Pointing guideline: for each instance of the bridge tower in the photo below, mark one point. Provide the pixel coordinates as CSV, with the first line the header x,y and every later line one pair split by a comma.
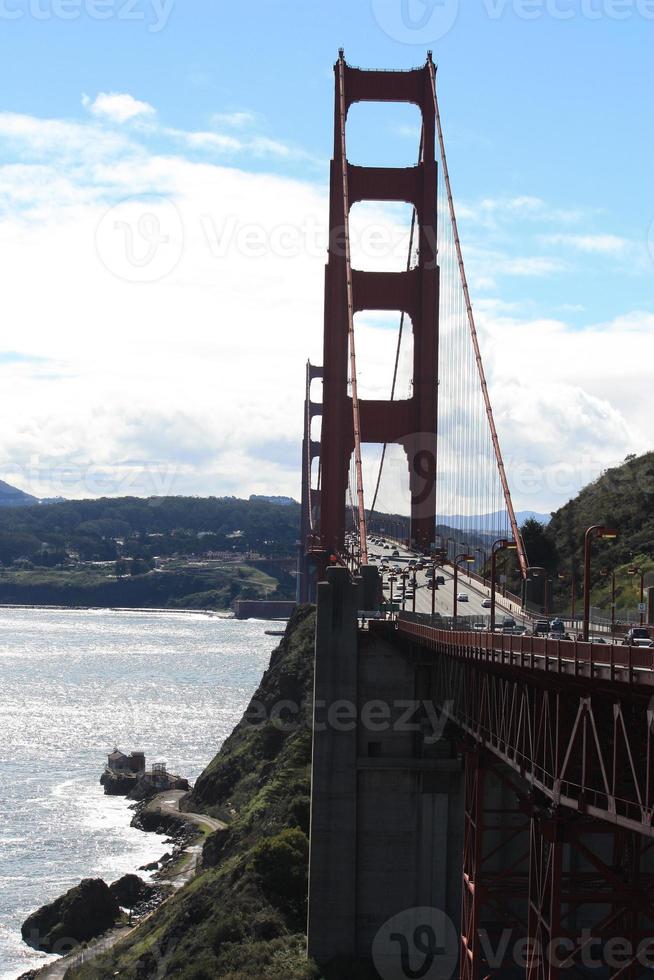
x,y
410,422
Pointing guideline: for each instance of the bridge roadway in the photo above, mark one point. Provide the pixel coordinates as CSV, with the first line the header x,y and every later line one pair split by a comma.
x,y
444,604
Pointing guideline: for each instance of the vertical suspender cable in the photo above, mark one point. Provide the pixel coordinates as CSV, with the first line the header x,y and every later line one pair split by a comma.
x,y
399,341
475,340
356,417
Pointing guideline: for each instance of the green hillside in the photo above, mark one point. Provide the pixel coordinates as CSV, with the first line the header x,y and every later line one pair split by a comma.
x,y
622,499
244,916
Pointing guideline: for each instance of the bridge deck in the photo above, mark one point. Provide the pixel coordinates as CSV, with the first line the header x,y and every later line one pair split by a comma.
x,y
571,658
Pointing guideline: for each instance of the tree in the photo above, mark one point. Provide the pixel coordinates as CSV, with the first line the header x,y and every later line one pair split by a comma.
x,y
541,550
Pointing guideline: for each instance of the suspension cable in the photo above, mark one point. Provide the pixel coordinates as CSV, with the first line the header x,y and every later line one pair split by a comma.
x,y
473,333
356,416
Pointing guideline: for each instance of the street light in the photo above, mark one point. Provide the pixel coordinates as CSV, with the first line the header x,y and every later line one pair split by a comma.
x,y
502,545
573,593
596,531
605,574
484,559
466,558
638,571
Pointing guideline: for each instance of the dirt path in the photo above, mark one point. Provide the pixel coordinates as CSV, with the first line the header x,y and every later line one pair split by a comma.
x,y
178,875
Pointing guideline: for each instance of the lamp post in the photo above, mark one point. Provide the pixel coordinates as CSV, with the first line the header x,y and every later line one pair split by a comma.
x,y
503,544
484,559
466,558
536,571
605,574
573,593
638,571
415,586
595,531
404,577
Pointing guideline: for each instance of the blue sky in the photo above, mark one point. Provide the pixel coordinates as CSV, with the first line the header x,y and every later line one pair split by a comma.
x,y
548,116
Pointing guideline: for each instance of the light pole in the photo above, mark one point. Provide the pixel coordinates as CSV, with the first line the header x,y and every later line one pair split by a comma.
x,y
596,531
484,559
466,558
573,593
503,544
415,586
605,574
404,577
638,571
536,571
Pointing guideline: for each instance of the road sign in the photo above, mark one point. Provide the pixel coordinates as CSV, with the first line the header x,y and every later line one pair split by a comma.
x,y
642,607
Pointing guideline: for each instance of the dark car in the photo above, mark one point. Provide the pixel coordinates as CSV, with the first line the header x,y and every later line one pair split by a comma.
x,y
541,626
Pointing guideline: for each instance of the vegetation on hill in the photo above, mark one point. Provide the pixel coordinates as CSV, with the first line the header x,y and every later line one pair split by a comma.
x,y
179,585
243,917
622,499
102,530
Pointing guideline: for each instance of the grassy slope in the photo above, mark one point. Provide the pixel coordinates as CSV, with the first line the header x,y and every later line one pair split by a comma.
x,y
622,498
244,917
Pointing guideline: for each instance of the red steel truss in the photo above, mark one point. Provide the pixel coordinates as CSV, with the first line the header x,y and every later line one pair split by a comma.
x,y
568,730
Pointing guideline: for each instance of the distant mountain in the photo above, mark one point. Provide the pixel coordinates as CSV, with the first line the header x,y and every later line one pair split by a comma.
x,y
13,497
482,522
280,501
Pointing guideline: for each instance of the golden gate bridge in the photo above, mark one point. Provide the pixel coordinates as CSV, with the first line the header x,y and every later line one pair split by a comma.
x,y
533,815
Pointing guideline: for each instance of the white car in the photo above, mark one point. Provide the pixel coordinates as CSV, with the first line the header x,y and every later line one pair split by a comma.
x,y
462,597
486,603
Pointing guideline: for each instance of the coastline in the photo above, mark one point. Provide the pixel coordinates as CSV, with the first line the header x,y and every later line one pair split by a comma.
x,y
217,613
182,867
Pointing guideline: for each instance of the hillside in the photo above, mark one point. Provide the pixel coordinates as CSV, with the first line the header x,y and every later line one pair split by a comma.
x,y
101,530
243,917
623,499
13,497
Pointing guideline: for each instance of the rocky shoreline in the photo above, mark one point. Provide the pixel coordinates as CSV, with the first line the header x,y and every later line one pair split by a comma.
x,y
95,912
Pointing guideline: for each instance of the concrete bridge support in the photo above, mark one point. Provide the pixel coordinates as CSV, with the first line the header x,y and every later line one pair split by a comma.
x,y
387,796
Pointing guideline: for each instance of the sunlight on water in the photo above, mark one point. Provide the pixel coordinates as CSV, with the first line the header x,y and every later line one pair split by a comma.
x,y
74,684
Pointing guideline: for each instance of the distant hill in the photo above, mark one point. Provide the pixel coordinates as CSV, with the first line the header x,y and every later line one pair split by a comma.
x,y
13,497
280,501
481,522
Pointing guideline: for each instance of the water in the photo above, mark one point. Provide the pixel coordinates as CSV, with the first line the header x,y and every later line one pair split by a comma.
x,y
73,685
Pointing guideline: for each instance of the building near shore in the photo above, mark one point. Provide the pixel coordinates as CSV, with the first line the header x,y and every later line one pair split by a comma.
x,y
126,775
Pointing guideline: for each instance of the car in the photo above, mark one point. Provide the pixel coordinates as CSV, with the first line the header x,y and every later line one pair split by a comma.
x,y
486,603
479,627
557,626
395,553
541,626
638,636
462,597
440,580
509,623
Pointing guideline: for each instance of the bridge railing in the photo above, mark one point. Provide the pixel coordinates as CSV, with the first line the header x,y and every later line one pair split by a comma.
x,y
572,657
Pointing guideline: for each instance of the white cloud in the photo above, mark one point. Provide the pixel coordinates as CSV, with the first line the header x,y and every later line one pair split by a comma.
x,y
194,383
235,120
118,107
590,244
